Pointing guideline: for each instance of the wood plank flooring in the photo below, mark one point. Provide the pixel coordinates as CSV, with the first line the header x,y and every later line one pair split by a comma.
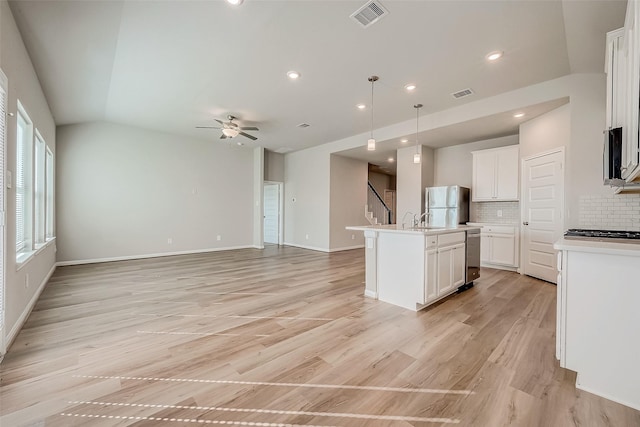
x,y
285,337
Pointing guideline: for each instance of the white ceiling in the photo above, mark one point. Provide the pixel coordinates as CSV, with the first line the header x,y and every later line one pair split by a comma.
x,y
173,65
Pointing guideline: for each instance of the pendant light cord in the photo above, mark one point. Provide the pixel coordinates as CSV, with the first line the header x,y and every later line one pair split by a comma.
x,y
372,81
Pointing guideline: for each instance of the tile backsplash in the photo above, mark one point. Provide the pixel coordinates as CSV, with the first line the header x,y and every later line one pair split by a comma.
x,y
610,212
488,212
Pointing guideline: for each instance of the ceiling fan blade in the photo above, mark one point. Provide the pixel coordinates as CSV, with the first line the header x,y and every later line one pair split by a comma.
x,y
246,135
219,121
223,136
249,128
207,127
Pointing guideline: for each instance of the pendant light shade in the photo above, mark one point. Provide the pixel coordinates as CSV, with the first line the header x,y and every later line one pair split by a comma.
x,y
416,157
371,143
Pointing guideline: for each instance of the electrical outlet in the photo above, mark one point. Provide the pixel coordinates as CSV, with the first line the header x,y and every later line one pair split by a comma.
x,y
306,236
218,237
353,237
499,213
26,281
170,240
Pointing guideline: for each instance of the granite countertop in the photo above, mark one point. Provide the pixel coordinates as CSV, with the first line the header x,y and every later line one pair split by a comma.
x,y
397,228
599,246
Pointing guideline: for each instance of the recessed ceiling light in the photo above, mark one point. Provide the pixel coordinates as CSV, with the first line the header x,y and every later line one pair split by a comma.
x,y
410,87
518,115
293,75
391,159
361,106
494,56
235,2
404,140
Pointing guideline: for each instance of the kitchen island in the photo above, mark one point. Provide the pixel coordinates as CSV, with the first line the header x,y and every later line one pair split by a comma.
x,y
598,321
413,267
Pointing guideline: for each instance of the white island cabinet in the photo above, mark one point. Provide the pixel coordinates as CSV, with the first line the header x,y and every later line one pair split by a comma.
x,y
413,268
598,320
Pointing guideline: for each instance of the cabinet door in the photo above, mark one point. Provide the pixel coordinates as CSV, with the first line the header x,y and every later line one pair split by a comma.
x,y
502,249
507,176
632,63
458,266
484,248
484,179
430,275
445,279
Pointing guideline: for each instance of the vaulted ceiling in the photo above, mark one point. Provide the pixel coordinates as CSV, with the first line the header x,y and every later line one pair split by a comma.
x,y
174,65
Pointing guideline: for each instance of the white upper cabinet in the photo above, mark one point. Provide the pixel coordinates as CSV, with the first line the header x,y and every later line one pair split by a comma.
x,y
496,174
622,65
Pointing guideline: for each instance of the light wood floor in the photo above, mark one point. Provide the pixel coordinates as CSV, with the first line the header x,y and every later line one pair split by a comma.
x,y
285,337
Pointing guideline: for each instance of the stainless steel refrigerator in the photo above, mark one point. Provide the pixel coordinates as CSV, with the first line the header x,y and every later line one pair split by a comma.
x,y
447,206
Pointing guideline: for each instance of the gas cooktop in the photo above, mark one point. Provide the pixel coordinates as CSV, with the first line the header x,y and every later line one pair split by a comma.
x,y
603,235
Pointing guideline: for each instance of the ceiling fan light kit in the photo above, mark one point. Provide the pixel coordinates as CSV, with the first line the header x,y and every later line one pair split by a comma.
x,y
231,129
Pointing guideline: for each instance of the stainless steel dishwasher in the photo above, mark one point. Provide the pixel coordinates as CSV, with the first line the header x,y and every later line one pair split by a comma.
x,y
473,257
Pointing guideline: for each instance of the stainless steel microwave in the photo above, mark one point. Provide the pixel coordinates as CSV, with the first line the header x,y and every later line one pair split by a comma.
x,y
612,158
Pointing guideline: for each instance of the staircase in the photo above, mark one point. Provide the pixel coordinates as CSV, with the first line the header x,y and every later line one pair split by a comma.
x,y
376,211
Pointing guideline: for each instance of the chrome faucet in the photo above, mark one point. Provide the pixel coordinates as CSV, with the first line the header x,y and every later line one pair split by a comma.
x,y
418,221
405,215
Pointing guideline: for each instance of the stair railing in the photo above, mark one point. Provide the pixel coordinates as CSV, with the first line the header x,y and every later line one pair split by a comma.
x,y
377,207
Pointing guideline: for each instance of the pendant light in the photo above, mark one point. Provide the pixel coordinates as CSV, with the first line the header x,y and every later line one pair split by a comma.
x,y
371,143
416,156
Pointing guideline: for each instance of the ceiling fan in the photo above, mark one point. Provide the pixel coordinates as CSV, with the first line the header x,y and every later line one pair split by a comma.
x,y
231,129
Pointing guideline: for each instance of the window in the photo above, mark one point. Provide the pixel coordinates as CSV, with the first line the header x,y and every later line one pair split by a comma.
x,y
39,190
49,195
23,181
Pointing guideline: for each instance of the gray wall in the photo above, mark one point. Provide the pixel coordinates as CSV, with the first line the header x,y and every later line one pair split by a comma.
x,y
273,166
453,165
124,191
348,197
22,286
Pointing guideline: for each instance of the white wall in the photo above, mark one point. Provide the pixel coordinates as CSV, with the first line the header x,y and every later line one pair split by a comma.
x,y
23,85
453,165
348,196
411,181
306,204
124,191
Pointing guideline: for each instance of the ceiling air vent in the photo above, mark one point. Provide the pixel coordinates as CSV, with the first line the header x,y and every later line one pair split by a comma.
x,y
369,14
462,93
303,125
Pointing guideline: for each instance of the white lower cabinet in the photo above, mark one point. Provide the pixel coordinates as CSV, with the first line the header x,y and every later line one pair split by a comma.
x,y
444,265
499,246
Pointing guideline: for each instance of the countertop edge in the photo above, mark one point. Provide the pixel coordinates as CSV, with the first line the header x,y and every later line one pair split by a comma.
x,y
424,232
597,246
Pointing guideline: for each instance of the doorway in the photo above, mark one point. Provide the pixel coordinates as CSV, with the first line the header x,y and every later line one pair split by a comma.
x,y
272,192
542,213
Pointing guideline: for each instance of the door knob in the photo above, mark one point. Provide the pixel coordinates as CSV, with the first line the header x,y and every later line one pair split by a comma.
x,y
525,223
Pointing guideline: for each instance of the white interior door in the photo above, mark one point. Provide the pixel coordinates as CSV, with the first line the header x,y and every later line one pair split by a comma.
x,y
271,213
542,219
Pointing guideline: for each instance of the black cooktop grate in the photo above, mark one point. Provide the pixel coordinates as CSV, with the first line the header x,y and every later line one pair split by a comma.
x,y
602,234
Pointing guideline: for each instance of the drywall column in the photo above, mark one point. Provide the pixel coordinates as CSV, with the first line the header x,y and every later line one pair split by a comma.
x,y
412,178
258,197
371,264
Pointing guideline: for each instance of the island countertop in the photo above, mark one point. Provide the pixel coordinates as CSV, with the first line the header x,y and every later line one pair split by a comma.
x,y
630,248
396,228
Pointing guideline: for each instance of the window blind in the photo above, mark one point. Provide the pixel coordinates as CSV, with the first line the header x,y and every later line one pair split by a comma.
x,y
3,139
39,190
49,196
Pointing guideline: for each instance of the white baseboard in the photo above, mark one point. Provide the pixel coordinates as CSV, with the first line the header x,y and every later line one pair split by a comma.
x,y
346,248
313,248
634,405
157,255
370,294
13,333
